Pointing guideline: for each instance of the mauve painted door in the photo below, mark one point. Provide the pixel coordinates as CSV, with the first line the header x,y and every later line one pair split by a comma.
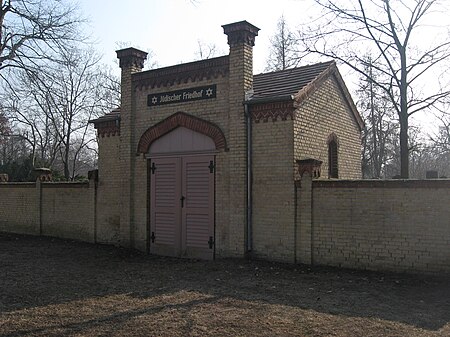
x,y
197,213
165,206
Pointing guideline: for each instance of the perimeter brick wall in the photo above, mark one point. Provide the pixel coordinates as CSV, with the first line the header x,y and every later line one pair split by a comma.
x,y
19,208
401,226
68,211
65,210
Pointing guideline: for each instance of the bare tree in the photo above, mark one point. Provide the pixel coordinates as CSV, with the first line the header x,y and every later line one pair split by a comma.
x,y
52,108
283,48
109,87
4,125
32,29
70,98
441,139
29,125
205,50
380,128
414,73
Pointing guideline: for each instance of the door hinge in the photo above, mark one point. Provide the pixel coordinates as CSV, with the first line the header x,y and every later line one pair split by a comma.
x,y
153,168
210,242
153,237
182,201
211,167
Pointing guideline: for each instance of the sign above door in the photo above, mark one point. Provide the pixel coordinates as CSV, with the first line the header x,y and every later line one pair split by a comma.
x,y
181,96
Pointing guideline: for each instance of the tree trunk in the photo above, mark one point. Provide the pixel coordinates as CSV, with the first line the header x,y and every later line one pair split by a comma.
x,y
66,164
404,148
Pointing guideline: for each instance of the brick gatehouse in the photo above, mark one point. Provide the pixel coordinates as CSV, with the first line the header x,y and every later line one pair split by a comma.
x,y
200,158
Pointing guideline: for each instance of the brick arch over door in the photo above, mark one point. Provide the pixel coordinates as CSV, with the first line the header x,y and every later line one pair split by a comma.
x,y
182,119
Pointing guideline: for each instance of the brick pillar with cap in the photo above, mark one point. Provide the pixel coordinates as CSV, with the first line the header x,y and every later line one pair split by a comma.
x,y
131,61
308,170
241,39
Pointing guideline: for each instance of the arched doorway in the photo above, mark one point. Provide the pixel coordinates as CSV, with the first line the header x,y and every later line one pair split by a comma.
x,y
182,180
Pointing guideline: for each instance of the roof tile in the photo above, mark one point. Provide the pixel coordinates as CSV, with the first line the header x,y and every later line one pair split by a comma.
x,y
282,83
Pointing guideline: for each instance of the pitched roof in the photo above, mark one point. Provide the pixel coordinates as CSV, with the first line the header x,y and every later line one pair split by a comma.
x,y
111,116
281,84
297,83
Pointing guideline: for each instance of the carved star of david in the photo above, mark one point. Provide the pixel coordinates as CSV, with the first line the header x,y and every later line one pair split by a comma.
x,y
154,100
209,92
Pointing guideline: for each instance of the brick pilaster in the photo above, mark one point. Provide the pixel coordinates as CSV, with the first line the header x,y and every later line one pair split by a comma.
x,y
241,38
303,221
130,61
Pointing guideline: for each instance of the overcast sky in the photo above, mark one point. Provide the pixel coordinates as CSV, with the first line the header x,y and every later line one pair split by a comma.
x,y
172,28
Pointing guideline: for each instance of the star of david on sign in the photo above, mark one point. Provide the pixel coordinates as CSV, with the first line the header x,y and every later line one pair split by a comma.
x,y
209,92
154,100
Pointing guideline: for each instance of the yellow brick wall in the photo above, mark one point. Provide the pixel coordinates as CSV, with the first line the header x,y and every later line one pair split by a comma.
x,y
380,226
67,211
273,191
321,114
19,208
64,210
109,190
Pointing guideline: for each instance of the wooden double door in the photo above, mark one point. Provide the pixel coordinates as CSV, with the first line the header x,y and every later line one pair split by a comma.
x,y
182,206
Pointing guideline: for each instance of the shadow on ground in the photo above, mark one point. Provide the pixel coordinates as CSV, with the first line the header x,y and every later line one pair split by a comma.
x,y
38,274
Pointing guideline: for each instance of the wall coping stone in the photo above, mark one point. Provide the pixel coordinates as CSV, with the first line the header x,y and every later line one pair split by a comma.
x,y
67,184
18,184
371,183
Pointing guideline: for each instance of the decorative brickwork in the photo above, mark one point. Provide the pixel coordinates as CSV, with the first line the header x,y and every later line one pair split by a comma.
x,y
131,58
108,128
272,111
183,73
310,166
333,138
108,125
240,33
43,174
182,119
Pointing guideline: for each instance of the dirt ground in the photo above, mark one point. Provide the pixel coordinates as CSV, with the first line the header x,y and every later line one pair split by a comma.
x,y
52,287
